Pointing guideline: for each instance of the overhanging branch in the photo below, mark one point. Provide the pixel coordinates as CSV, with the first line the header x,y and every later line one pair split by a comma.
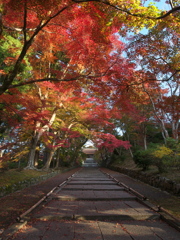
x,y
43,80
164,15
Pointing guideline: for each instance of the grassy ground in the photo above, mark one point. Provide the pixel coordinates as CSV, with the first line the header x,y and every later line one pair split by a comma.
x,y
14,176
173,174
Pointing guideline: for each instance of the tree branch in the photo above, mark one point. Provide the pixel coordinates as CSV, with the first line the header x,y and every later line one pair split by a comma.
x,y
1,24
9,78
44,80
171,3
25,21
106,2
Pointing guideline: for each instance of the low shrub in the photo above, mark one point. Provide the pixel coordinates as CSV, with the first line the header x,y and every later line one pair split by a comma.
x,y
165,158
143,158
161,156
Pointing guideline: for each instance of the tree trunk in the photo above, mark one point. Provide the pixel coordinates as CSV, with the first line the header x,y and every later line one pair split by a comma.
x,y
145,142
49,160
131,152
58,158
32,151
45,155
1,153
144,136
160,119
36,157
175,128
36,138
164,133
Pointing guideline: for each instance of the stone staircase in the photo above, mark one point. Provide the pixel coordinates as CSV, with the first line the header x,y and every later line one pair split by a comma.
x,y
90,163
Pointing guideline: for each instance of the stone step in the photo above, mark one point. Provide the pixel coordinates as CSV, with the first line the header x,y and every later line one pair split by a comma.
x,y
101,230
92,182
93,187
92,195
89,210
89,165
91,179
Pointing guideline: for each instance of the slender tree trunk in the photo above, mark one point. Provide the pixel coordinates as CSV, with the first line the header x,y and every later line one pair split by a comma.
x,y
175,128
32,151
1,153
160,120
145,142
164,133
58,158
131,153
36,157
45,155
144,136
49,160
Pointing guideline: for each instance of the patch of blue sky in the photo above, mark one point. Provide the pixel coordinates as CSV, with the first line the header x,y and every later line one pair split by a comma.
x,y
162,5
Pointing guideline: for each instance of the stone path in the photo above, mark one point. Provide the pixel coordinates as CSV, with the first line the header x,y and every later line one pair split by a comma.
x,y
92,206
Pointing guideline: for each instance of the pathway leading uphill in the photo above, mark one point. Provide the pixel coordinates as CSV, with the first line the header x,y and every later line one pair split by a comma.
x,y
90,206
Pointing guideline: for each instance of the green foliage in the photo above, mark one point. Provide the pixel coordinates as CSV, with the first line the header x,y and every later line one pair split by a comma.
x,y
154,134
161,156
80,159
143,158
10,48
6,165
13,177
117,157
174,157
65,163
172,144
162,152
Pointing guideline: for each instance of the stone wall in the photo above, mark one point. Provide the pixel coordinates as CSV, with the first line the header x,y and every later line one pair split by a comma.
x,y
156,181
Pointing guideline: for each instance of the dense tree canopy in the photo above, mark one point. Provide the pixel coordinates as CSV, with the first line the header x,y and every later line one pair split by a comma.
x,y
72,70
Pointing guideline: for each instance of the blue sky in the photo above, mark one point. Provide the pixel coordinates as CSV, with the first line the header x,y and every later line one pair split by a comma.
x,y
161,4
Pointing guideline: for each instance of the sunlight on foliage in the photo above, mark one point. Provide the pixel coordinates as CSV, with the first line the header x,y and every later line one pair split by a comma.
x,y
162,151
